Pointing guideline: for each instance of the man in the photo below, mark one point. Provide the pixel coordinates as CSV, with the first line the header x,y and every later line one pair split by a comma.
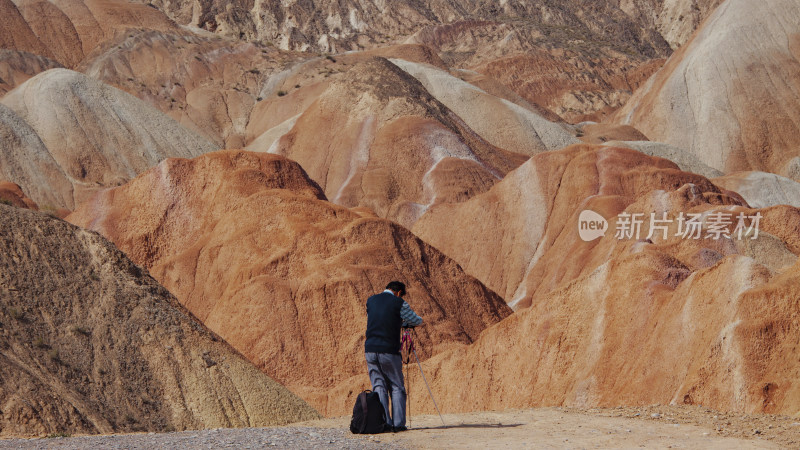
x,y
387,313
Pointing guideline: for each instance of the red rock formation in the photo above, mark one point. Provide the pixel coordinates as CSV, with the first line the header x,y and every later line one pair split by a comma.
x,y
248,244
67,30
11,194
377,138
513,228
624,321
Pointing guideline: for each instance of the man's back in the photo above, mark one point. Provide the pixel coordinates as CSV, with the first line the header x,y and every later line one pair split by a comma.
x,y
383,323
386,314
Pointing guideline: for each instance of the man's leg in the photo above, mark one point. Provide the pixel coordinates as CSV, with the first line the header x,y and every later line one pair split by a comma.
x,y
378,380
392,367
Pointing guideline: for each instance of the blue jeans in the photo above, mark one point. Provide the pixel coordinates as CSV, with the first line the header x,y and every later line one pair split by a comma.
x,y
386,375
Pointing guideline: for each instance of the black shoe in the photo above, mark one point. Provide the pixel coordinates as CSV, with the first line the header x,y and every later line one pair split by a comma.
x,y
399,429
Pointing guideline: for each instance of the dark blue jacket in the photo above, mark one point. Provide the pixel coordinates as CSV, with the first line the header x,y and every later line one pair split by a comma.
x,y
383,324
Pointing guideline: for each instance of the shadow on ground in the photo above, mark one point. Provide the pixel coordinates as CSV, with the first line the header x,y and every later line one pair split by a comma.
x,y
468,425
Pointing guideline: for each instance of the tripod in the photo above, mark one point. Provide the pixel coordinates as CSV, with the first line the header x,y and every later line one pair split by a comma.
x,y
409,348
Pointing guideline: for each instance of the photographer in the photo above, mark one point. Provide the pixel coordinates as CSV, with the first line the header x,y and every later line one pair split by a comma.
x,y
387,313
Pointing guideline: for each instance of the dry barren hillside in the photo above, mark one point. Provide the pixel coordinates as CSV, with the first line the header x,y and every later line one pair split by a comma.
x,y
66,135
248,243
90,343
66,30
379,139
730,95
456,145
627,318
580,58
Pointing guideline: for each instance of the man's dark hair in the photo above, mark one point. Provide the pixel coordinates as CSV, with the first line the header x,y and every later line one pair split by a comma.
x,y
398,287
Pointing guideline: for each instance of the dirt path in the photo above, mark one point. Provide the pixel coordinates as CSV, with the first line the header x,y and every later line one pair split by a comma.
x,y
623,427
650,427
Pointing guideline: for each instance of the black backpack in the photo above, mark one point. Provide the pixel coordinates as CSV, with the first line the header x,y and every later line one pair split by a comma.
x,y
368,414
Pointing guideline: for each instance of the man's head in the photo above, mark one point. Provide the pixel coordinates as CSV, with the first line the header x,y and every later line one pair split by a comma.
x,y
397,287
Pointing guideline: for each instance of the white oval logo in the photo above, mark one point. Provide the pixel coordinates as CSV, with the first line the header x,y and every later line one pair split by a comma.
x,y
591,225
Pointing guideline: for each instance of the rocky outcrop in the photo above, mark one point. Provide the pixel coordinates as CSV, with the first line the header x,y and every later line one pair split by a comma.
x,y
675,20
248,244
90,343
730,96
565,69
350,25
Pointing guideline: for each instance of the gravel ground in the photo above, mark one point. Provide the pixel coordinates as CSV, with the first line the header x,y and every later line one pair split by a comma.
x,y
656,426
239,438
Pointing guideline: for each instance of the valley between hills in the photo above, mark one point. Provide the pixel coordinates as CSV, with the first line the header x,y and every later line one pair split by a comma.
x,y
198,197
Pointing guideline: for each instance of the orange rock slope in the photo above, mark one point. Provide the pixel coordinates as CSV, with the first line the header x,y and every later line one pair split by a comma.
x,y
68,30
621,320
379,139
248,244
11,194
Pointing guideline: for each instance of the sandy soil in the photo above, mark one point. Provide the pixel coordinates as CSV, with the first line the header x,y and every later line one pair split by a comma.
x,y
623,427
650,427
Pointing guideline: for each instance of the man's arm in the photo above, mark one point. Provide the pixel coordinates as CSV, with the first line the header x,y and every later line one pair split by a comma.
x,y
410,318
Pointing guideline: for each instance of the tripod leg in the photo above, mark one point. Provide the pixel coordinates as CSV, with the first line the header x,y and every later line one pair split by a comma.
x,y
429,388
408,393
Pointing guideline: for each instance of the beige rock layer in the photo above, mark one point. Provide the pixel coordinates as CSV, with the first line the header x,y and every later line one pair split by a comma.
x,y
730,95
686,161
72,135
90,343
26,161
761,189
499,121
